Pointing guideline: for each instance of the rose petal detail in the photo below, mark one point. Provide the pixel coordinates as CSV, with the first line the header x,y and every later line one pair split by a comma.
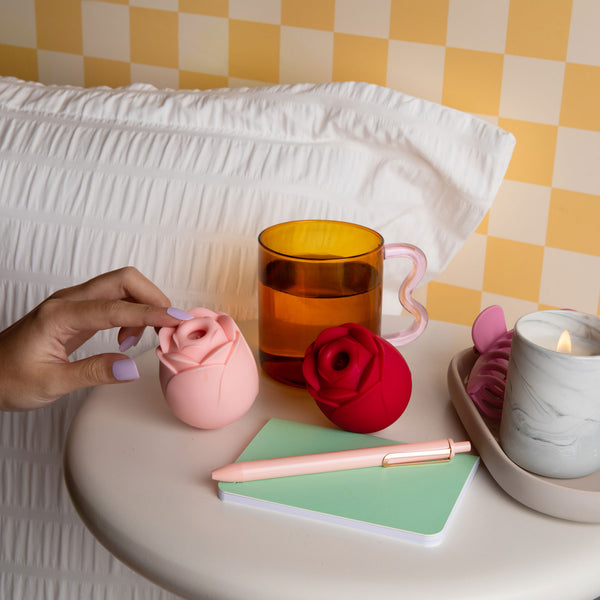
x,y
331,357
321,402
363,415
330,334
327,360
197,337
195,395
371,375
220,355
364,337
337,395
336,362
190,330
309,369
165,338
162,357
228,325
178,362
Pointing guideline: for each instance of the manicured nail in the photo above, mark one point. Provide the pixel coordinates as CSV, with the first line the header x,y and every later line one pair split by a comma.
x,y
179,314
129,342
125,370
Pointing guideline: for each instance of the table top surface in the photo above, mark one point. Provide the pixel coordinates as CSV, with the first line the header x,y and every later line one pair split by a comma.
x,y
141,482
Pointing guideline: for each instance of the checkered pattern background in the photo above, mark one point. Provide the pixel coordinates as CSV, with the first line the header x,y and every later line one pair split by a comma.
x,y
532,67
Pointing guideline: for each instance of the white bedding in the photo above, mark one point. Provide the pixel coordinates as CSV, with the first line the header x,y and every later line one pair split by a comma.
x,y
179,184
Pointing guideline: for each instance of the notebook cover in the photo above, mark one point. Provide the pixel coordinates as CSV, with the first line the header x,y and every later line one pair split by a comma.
x,y
411,502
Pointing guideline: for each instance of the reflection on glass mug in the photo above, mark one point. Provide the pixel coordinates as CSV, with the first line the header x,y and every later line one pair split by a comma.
x,y
317,274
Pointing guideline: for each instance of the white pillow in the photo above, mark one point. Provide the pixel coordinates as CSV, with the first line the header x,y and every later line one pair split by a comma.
x,y
180,183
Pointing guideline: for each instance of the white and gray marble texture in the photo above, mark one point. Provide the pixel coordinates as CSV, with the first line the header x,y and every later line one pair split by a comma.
x,y
551,415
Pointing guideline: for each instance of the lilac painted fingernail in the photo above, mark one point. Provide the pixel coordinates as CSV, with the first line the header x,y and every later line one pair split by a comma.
x,y
129,342
125,370
179,314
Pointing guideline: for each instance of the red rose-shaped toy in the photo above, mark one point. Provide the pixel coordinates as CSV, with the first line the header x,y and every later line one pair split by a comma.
x,y
207,371
359,380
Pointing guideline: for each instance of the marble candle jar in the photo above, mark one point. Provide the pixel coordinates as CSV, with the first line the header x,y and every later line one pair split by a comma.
x,y
551,414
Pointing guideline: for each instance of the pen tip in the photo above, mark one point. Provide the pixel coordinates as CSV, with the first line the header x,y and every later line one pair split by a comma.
x,y
462,447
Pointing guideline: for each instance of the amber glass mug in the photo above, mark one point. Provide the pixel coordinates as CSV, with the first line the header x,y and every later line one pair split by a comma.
x,y
317,274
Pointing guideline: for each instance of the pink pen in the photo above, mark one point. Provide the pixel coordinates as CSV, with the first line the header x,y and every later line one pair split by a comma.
x,y
382,456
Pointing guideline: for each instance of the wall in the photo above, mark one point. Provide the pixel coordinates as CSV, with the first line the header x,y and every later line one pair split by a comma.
x,y
532,67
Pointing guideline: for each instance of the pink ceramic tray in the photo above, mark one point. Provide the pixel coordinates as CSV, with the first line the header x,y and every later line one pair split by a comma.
x,y
572,499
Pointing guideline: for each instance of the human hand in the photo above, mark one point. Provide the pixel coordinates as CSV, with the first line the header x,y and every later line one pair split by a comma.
x,y
35,368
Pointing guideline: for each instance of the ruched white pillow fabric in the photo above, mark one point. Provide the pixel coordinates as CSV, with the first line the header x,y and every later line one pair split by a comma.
x,y
180,183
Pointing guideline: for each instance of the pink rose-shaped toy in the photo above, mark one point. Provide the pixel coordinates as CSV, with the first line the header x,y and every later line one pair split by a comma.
x,y
358,379
207,371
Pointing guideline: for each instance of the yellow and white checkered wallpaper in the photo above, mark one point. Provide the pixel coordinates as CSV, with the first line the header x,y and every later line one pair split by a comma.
x,y
531,66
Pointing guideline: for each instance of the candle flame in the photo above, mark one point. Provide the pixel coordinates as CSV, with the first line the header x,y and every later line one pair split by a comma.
x,y
564,343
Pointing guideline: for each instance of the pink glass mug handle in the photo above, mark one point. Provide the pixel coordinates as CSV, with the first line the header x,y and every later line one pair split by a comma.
x,y
416,309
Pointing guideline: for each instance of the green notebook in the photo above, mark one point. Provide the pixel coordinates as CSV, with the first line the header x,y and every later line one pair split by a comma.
x,y
410,502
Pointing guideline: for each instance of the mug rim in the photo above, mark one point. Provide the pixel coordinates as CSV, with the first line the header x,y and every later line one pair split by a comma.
x,y
377,248
525,339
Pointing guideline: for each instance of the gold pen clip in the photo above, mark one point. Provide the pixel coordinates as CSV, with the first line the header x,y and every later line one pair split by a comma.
x,y
433,455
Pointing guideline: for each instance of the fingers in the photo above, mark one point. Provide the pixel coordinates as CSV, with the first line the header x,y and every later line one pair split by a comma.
x,y
44,383
125,283
122,284
72,322
129,337
94,370
68,319
35,367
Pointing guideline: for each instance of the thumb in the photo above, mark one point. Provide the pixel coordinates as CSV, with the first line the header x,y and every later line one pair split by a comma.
x,y
98,370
